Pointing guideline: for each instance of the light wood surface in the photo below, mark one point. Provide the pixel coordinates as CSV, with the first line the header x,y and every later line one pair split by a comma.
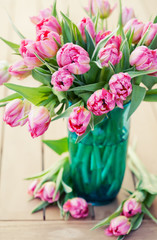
x,y
21,156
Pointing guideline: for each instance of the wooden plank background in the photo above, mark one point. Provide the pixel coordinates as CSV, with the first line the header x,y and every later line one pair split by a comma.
x,y
22,156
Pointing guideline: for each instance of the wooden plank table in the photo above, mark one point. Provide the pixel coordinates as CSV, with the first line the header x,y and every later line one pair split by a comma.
x,y
20,156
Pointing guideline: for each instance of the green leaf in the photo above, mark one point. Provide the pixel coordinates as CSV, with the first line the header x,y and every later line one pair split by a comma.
x,y
138,222
11,97
149,81
90,87
153,44
59,146
90,43
60,95
68,31
41,206
138,94
142,40
149,200
151,95
12,45
67,112
58,182
120,18
121,237
42,75
52,70
101,44
67,188
34,95
134,74
54,9
155,20
15,28
147,212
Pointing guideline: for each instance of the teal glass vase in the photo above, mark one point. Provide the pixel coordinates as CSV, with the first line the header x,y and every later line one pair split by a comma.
x,y
98,161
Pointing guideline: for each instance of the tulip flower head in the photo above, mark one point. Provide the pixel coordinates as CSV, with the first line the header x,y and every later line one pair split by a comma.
x,y
104,8
136,27
131,207
101,102
4,74
45,13
152,31
49,24
38,121
119,226
33,186
46,192
62,80
89,25
121,87
127,14
79,120
15,110
77,207
20,70
73,58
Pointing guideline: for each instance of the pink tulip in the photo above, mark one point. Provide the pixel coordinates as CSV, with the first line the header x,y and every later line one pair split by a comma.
x,y
143,58
38,121
86,23
45,13
109,54
79,120
77,207
116,40
131,207
4,74
136,27
104,8
46,192
49,24
20,70
119,226
127,14
151,34
91,8
73,58
45,45
121,87
101,102
16,110
30,59
33,186
62,80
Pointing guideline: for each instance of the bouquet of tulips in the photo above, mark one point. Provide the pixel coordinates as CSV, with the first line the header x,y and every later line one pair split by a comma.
x,y
85,69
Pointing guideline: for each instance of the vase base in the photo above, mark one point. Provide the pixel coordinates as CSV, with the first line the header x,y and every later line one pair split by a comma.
x,y
106,202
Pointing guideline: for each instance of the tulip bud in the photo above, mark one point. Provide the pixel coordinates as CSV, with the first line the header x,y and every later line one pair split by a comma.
x,y
91,8
33,186
45,13
38,121
4,74
119,226
73,58
20,70
110,54
101,102
104,8
136,27
127,14
121,87
89,25
62,80
79,120
131,207
16,110
151,32
46,192
143,58
77,207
